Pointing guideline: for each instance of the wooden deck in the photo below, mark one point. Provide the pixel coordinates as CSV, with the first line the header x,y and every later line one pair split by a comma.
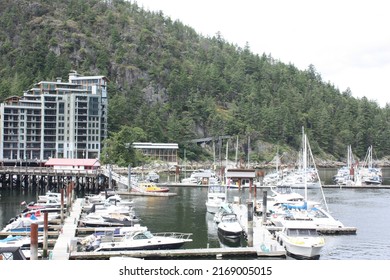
x,y
204,253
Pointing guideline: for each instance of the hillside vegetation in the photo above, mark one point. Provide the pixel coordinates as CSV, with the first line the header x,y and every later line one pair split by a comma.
x,y
170,84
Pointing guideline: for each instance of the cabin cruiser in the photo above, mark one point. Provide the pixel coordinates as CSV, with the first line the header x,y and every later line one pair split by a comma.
x,y
216,196
301,241
138,238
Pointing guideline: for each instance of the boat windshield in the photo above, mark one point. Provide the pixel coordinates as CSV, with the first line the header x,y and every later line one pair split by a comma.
x,y
302,232
143,235
217,189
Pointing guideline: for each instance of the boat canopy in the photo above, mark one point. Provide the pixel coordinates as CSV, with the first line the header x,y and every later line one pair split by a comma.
x,y
294,206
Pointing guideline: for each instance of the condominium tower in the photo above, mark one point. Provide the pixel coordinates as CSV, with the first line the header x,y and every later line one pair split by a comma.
x,y
55,120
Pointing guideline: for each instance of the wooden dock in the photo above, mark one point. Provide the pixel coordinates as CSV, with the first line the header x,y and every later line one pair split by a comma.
x,y
204,253
370,187
65,239
65,247
158,194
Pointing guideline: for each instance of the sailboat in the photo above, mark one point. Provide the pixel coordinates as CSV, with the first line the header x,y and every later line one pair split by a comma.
x,y
314,212
305,176
368,174
345,174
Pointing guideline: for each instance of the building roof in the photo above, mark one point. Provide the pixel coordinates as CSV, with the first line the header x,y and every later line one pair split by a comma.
x,y
241,173
149,145
72,162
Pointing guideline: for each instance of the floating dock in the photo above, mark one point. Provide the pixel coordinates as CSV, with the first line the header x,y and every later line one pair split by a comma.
x,y
65,247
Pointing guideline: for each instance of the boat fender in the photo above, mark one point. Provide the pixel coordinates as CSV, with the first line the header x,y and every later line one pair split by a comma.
x,y
264,248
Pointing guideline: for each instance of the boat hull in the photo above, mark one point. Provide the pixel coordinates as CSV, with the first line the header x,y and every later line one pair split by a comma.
x,y
161,246
301,247
229,233
303,252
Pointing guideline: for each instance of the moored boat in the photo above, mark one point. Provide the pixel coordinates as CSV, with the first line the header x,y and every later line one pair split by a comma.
x,y
216,196
150,187
301,241
229,226
140,238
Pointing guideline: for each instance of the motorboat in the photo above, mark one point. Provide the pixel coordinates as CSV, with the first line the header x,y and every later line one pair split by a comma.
x,y
22,242
112,202
48,203
140,238
225,208
301,241
23,224
108,220
150,187
152,176
216,196
48,195
109,209
201,176
102,197
12,253
229,226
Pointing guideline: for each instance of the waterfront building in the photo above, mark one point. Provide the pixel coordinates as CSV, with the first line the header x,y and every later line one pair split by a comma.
x,y
55,119
63,164
166,152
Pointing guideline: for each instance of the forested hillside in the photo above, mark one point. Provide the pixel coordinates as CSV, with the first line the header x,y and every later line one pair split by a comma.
x,y
170,84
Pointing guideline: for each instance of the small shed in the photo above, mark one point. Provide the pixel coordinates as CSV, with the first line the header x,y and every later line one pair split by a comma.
x,y
73,164
241,176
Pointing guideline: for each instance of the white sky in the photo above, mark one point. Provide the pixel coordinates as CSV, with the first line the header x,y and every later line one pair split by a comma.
x,y
348,42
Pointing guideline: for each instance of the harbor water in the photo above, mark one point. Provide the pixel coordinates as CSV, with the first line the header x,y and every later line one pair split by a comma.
x,y
366,209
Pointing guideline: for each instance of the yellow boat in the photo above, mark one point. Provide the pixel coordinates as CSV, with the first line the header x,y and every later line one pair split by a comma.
x,y
151,187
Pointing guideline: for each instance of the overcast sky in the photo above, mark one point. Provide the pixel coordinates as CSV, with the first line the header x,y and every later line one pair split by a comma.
x,y
348,42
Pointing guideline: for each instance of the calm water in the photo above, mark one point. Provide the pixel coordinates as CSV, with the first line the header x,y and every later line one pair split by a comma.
x,y
366,209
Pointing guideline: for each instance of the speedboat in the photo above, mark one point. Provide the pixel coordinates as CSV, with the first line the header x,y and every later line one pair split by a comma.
x,y
23,224
301,241
216,196
22,242
229,226
225,208
140,238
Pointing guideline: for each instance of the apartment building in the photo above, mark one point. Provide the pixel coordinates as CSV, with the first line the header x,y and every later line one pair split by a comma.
x,y
55,120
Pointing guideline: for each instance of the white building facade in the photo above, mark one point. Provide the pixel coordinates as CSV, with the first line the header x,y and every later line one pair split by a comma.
x,y
55,120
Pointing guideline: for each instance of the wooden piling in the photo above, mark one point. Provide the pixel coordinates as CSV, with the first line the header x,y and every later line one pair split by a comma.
x,y
264,215
34,242
62,205
45,233
250,223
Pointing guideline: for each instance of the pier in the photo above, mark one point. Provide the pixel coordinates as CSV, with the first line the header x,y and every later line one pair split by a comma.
x,y
47,178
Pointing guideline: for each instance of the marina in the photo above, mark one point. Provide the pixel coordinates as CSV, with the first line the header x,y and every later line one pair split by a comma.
x,y
187,208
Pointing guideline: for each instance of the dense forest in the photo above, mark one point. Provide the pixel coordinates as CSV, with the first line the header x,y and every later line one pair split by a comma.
x,y
170,84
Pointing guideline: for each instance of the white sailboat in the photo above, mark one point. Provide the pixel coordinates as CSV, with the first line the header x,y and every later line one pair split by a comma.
x,y
315,214
367,173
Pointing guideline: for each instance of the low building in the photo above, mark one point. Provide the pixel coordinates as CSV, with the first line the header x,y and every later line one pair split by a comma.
x,y
166,152
73,164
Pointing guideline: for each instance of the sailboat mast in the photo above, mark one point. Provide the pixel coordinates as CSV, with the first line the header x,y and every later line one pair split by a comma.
x,y
304,156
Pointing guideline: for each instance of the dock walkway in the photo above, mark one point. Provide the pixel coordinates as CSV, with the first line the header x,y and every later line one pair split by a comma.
x,y
263,239
62,247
